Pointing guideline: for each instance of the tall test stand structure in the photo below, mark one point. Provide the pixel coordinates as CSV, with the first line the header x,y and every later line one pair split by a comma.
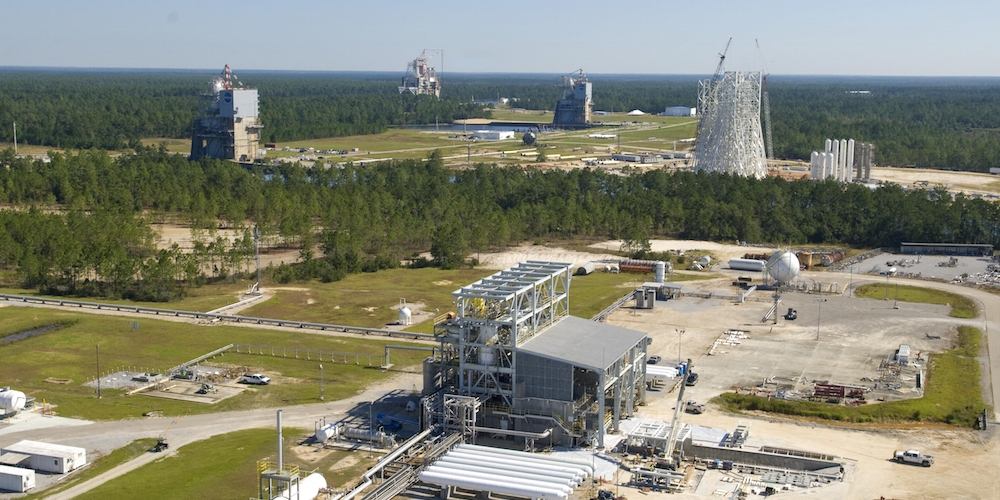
x,y
730,138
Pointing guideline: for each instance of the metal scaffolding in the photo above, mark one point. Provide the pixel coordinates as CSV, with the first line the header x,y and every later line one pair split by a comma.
x,y
731,140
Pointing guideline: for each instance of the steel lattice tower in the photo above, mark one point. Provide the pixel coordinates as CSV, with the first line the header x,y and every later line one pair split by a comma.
x,y
731,140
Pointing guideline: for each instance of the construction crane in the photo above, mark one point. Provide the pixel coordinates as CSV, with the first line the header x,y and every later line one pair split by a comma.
x,y
161,442
765,102
715,78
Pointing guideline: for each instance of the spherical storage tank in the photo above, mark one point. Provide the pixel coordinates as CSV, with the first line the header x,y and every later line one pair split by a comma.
x,y
528,138
11,401
783,266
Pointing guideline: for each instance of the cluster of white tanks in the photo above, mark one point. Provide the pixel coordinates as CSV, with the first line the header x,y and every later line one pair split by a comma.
x,y
782,266
836,161
508,472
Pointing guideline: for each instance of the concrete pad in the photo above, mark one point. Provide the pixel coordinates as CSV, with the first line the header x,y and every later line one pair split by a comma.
x,y
26,421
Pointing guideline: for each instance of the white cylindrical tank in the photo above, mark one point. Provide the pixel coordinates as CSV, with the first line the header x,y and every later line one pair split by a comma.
x,y
660,271
835,160
465,481
783,266
575,475
747,264
308,487
829,146
814,165
843,161
326,432
405,316
480,457
850,160
587,466
706,260
12,401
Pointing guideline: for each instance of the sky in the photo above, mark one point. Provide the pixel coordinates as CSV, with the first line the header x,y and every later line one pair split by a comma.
x,y
799,37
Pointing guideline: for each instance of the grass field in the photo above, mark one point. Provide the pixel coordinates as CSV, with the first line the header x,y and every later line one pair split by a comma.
x,y
952,394
222,467
961,306
504,114
204,298
172,145
70,353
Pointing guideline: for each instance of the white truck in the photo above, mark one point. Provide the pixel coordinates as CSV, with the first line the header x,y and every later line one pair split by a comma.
x,y
694,407
913,457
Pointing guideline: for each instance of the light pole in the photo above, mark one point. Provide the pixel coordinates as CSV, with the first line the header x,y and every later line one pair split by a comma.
x,y
886,286
680,334
895,300
321,381
819,312
97,351
371,430
852,281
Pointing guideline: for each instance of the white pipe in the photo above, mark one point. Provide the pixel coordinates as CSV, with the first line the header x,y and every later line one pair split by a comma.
x,y
386,460
510,461
521,458
281,456
511,432
500,475
520,454
573,476
492,486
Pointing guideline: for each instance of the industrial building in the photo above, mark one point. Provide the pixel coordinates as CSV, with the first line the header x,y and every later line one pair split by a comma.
x,y
421,78
48,457
730,136
679,111
493,135
513,362
228,126
574,109
974,249
16,479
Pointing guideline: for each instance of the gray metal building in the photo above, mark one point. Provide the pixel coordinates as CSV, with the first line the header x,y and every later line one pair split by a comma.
x,y
574,109
228,126
513,362
975,249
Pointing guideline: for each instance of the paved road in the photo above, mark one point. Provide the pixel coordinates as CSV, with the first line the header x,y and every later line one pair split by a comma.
x,y
193,428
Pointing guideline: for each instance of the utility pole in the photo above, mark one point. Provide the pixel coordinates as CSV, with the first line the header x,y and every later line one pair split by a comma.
x,y
97,351
371,430
15,137
321,381
895,301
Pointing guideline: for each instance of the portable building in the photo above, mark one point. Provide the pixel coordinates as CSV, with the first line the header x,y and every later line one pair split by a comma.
x,y
48,457
16,479
493,135
903,354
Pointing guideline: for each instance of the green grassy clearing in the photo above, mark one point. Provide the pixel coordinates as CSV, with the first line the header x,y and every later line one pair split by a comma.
x,y
172,145
204,298
99,466
221,467
961,306
952,394
70,353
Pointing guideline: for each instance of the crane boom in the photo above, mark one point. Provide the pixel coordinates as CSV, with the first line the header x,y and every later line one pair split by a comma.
x,y
715,79
765,102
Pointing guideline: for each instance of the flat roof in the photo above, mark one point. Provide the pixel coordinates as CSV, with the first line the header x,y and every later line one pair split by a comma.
x,y
12,458
16,471
584,343
966,245
43,449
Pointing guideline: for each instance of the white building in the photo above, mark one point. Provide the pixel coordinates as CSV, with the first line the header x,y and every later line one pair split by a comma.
x,y
493,135
48,457
16,479
680,111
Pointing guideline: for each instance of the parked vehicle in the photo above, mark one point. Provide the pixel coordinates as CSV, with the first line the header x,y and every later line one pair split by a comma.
x,y
653,360
692,379
694,407
791,314
255,379
913,457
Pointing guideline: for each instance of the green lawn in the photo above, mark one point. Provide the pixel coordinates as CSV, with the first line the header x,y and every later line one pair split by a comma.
x,y
70,353
952,394
961,306
222,467
204,298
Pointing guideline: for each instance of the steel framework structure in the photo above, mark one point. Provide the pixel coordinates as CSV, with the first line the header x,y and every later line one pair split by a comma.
x,y
496,315
731,140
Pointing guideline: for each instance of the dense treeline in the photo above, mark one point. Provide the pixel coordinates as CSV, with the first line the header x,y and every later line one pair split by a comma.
x,y
919,122
372,217
114,110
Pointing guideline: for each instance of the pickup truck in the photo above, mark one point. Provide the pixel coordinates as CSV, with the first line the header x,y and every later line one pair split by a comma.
x,y
255,379
694,407
913,457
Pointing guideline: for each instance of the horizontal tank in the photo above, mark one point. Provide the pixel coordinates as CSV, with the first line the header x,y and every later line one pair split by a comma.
x,y
326,432
747,265
12,401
